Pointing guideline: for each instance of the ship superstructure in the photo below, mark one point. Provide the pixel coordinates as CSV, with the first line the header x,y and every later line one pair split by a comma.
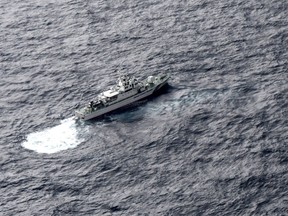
x,y
126,91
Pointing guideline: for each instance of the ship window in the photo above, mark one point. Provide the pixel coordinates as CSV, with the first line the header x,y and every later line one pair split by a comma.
x,y
114,97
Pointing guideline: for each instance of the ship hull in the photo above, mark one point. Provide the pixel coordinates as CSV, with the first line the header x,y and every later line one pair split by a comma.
x,y
120,104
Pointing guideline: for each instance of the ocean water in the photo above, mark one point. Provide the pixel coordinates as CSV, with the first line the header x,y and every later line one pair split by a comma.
x,y
215,142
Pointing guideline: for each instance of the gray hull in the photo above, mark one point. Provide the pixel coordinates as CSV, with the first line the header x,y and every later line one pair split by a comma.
x,y
120,104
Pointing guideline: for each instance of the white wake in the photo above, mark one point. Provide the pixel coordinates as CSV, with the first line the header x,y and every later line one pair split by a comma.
x,y
51,140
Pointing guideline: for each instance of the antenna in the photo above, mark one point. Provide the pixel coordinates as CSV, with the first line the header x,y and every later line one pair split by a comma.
x,y
117,71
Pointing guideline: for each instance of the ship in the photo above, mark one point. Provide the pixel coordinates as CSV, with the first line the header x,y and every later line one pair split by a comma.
x,y
127,90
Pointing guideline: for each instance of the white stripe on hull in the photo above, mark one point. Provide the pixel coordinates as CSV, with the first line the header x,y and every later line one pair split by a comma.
x,y
121,103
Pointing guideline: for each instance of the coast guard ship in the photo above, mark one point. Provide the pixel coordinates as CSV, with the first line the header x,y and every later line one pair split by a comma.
x,y
126,91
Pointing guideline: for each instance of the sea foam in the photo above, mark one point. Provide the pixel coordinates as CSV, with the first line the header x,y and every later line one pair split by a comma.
x,y
58,138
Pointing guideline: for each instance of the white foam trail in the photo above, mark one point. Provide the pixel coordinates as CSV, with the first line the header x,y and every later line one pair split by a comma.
x,y
61,137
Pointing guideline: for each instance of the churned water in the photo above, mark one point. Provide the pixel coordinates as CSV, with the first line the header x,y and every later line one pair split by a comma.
x,y
61,137
214,142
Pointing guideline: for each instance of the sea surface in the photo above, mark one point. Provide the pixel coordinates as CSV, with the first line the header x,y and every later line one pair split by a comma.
x,y
214,142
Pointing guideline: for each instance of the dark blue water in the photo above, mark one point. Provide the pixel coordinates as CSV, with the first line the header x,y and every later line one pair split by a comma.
x,y
214,143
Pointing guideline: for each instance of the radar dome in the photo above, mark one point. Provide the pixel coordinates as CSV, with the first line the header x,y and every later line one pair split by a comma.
x,y
150,79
